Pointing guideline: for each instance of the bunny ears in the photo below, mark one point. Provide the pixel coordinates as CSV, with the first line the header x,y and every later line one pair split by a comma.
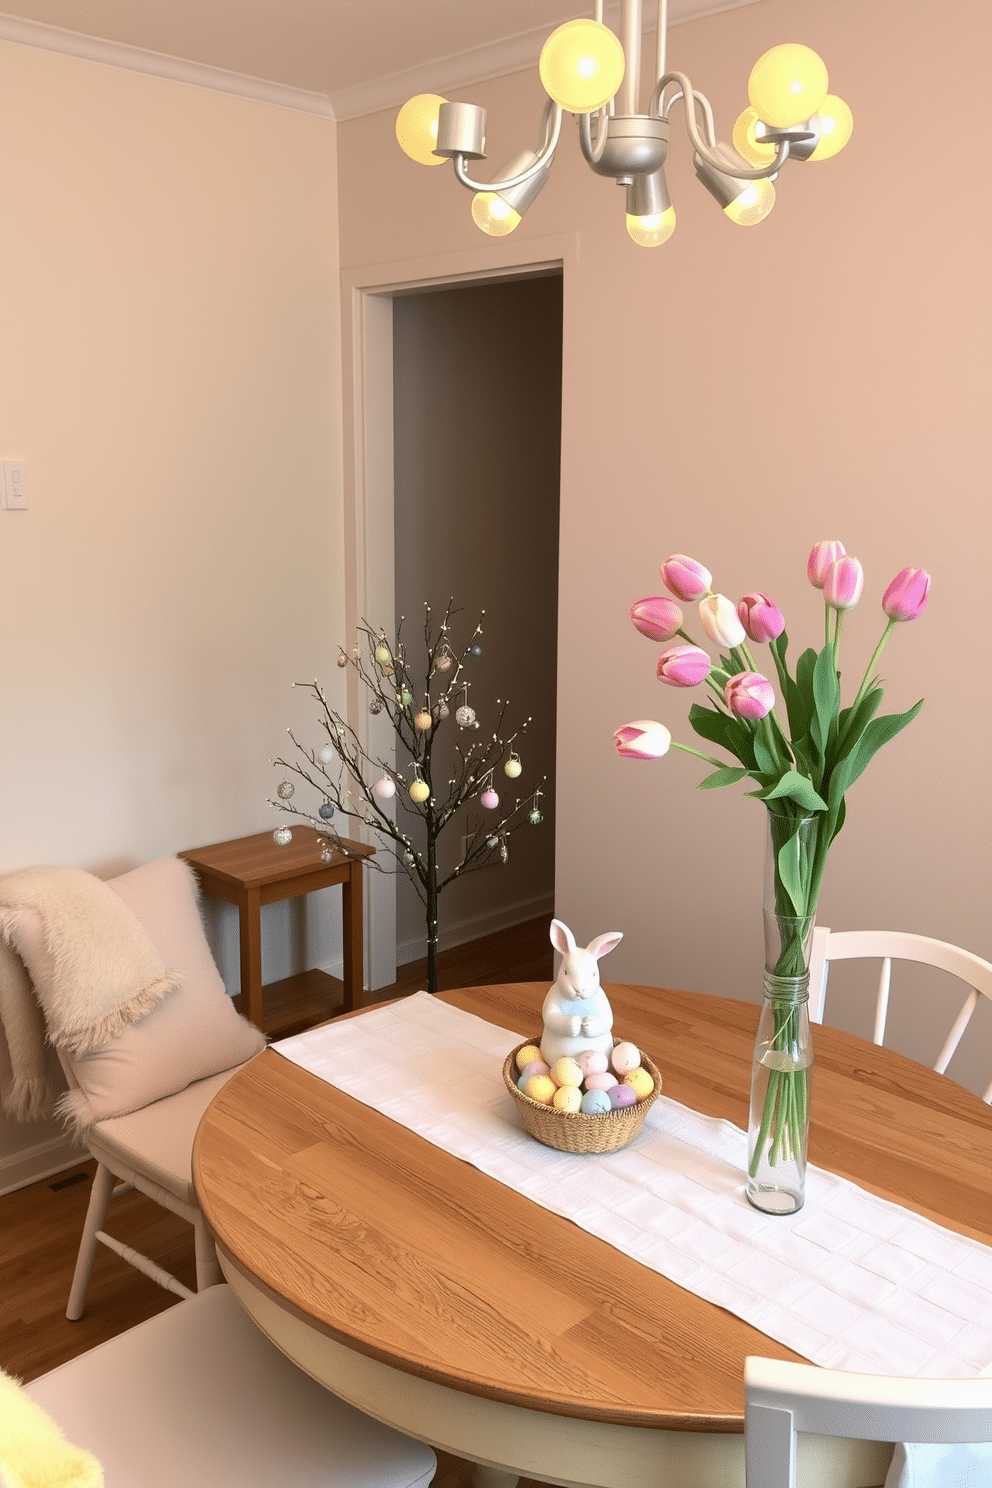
x,y
564,941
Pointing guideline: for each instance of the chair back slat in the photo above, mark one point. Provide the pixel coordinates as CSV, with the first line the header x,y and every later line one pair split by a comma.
x,y
882,1001
954,1037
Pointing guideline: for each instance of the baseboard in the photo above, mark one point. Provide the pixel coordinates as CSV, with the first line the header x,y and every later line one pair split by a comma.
x,y
32,1163
456,934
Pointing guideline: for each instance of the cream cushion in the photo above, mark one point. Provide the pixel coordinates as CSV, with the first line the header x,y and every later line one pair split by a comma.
x,y
195,1030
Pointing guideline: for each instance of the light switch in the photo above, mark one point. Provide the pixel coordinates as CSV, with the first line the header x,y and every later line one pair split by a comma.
x,y
16,484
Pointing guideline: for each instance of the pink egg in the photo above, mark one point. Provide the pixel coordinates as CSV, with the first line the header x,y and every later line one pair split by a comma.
x,y
592,1062
489,799
625,1057
536,1067
603,1081
622,1095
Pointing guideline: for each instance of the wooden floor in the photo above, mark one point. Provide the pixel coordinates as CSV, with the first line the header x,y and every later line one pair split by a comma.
x,y
40,1225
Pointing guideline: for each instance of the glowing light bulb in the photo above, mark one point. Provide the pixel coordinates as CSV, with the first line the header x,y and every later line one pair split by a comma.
x,y
836,127
787,85
495,216
416,128
582,65
753,204
745,142
653,230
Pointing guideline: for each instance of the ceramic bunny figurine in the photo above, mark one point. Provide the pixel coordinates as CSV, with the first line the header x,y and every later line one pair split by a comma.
x,y
577,1013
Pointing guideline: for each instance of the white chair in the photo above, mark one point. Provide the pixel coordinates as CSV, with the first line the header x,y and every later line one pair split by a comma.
x,y
199,1397
893,945
136,1101
782,1399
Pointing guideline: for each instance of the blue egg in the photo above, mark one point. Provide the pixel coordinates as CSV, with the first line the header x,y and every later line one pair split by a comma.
x,y
326,810
595,1103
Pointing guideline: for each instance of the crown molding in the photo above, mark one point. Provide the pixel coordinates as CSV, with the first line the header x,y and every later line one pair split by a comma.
x,y
496,59
157,64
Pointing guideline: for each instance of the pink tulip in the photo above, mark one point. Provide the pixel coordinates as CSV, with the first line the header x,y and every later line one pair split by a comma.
x,y
657,618
820,559
761,617
718,617
749,695
906,597
687,579
683,666
843,585
642,740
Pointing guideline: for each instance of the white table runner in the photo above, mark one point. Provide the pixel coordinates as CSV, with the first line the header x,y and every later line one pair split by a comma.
x,y
849,1282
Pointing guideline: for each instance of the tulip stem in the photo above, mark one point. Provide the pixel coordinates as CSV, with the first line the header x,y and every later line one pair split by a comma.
x,y
688,749
837,626
866,680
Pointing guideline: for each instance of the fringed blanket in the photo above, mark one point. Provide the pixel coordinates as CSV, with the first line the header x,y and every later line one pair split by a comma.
x,y
94,972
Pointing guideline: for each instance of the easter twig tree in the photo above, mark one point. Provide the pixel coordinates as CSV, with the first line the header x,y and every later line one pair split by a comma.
x,y
435,764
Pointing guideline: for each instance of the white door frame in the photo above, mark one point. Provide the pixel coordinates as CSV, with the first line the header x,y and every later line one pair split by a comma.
x,y
367,397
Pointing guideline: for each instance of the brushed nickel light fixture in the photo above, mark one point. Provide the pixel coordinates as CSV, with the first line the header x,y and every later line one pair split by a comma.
x,y
589,71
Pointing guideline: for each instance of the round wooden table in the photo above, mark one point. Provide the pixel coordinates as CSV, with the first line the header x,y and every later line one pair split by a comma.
x,y
442,1302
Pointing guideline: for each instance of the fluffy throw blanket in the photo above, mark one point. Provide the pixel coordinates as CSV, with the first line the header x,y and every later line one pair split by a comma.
x,y
33,1451
94,971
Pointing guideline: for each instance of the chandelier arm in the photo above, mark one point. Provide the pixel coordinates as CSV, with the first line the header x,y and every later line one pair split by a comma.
x,y
744,172
704,108
662,36
552,130
593,152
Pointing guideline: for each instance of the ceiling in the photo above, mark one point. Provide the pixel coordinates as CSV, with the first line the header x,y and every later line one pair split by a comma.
x,y
353,56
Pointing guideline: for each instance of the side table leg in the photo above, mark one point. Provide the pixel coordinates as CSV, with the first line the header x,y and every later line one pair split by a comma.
x,y
492,1477
353,934
250,925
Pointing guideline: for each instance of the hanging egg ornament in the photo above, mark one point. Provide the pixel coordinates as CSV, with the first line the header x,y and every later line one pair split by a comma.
x,y
385,788
325,810
326,852
504,851
404,697
535,818
465,717
443,659
382,654
441,710
375,706
489,799
419,791
492,843
423,721
475,649
285,789
513,767
282,835
356,652
342,660
326,754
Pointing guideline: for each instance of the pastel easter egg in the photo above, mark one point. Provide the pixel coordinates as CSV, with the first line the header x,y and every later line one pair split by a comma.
x,y
625,1057
601,1082
536,1067
566,1071
595,1103
639,1081
592,1062
542,1088
527,1055
620,1096
568,1098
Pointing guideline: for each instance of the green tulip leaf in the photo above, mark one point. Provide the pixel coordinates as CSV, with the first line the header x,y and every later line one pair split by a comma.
x,y
804,679
826,698
789,874
877,733
763,756
727,776
854,721
795,787
719,728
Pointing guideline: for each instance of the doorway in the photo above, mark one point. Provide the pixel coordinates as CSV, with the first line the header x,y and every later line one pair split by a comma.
x,y
476,395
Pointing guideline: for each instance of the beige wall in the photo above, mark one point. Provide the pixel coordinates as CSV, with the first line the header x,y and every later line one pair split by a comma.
x,y
169,372
738,395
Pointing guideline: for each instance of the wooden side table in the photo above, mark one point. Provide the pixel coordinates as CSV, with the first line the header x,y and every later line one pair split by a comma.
x,y
252,871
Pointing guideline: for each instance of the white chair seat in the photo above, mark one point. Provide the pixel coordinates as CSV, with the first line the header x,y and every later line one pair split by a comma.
x,y
197,1397
157,1141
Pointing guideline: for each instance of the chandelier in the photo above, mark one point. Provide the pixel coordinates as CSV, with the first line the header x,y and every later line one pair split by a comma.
x,y
589,71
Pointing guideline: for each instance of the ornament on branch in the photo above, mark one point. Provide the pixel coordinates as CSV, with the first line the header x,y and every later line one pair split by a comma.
x,y
513,767
534,816
465,716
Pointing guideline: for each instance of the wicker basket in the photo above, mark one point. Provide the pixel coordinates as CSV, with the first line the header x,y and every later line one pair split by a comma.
x,y
570,1132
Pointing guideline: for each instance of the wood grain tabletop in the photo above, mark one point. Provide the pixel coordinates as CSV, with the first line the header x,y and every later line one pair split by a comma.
x,y
406,1254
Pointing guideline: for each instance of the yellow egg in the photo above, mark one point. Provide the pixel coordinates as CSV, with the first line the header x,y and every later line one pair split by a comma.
x,y
527,1055
566,1071
568,1098
640,1082
541,1088
419,791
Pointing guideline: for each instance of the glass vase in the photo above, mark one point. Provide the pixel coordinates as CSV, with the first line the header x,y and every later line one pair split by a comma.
x,y
778,1123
